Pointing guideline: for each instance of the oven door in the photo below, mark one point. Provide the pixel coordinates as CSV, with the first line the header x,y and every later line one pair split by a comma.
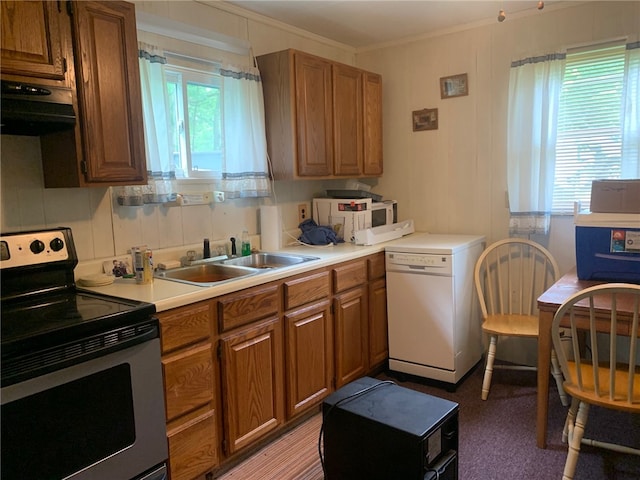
x,y
102,419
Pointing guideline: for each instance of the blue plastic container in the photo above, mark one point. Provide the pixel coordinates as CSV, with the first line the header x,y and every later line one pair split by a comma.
x,y
608,247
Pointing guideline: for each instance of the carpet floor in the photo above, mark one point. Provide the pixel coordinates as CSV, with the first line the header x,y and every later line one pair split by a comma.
x,y
496,439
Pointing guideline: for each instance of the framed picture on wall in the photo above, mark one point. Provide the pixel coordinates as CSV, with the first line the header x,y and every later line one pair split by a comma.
x,y
426,119
454,86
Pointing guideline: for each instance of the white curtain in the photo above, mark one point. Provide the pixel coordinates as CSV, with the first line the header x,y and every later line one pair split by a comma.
x,y
160,168
161,177
534,96
631,113
245,171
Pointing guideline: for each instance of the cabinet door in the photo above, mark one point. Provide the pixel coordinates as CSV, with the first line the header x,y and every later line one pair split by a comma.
x,y
372,163
347,120
314,115
32,41
378,337
351,339
308,356
108,82
251,363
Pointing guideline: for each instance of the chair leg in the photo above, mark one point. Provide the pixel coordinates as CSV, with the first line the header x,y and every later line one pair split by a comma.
x,y
488,371
576,431
571,418
557,374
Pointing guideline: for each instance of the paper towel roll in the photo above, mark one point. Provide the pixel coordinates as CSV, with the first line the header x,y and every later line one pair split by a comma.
x,y
270,228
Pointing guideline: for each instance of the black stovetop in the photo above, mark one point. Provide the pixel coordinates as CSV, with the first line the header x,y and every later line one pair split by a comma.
x,y
54,319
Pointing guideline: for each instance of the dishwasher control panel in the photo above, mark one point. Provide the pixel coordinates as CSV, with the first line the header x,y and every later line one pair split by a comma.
x,y
419,262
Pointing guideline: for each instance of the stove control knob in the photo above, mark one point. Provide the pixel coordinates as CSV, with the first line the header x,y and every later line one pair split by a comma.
x,y
56,244
36,246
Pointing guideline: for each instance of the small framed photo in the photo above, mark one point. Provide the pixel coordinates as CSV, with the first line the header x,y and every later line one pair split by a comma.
x,y
426,119
118,267
454,86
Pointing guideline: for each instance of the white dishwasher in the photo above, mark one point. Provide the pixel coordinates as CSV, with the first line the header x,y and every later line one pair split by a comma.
x,y
433,313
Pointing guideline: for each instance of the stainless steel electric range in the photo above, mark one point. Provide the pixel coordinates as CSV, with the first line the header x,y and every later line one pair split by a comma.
x,y
81,392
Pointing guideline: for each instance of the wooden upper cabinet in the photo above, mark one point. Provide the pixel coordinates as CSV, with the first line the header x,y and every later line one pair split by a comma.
x,y
108,83
92,48
347,120
313,108
32,36
372,104
318,116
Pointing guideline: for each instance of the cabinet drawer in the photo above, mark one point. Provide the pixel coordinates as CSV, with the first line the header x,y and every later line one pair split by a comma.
x,y
375,264
299,291
192,447
184,326
188,380
349,276
248,306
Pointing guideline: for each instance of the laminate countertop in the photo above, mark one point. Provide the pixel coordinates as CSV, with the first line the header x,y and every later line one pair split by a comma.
x,y
167,294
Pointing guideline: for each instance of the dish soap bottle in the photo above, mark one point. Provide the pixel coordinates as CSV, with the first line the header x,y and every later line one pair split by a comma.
x,y
246,244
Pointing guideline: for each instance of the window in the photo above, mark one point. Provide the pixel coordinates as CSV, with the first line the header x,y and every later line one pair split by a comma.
x,y
196,120
589,133
573,118
202,121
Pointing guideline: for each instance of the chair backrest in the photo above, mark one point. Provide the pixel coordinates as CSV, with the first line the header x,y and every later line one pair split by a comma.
x,y
511,274
614,308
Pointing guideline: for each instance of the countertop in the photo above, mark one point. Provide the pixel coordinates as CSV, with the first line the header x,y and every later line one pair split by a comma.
x,y
166,294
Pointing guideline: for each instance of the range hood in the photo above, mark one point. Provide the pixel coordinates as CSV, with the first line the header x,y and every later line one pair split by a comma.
x,y
35,110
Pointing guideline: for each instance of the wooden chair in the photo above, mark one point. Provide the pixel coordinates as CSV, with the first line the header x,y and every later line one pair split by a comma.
x,y
606,374
510,275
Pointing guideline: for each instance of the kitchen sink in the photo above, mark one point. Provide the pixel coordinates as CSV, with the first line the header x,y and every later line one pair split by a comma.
x,y
206,274
264,260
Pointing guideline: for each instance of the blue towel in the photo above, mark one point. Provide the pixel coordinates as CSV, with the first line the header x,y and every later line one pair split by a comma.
x,y
314,234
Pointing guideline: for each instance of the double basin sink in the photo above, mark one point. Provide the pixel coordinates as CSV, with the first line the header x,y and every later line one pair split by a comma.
x,y
211,272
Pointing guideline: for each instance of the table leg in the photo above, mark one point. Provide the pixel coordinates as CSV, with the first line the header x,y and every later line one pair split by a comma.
x,y
544,365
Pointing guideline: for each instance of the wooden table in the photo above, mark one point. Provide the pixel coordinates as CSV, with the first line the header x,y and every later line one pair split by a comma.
x,y
548,304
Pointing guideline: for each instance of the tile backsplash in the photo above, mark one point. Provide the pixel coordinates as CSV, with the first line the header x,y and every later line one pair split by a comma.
x,y
102,228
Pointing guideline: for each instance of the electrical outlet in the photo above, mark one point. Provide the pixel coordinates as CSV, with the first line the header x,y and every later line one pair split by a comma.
x,y
303,212
218,197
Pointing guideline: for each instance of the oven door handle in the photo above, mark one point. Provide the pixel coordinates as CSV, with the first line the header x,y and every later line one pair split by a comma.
x,y
34,364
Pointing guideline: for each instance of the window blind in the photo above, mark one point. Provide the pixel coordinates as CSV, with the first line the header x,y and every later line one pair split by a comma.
x,y
589,137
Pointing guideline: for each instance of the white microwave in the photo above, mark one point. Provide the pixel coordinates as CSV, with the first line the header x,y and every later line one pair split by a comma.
x,y
347,215
384,213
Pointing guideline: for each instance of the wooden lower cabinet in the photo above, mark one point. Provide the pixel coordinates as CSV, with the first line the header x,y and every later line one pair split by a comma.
x,y
252,383
193,447
189,372
308,355
238,367
350,337
188,380
378,334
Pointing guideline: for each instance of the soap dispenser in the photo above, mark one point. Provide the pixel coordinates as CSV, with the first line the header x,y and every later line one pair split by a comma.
x,y
246,244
